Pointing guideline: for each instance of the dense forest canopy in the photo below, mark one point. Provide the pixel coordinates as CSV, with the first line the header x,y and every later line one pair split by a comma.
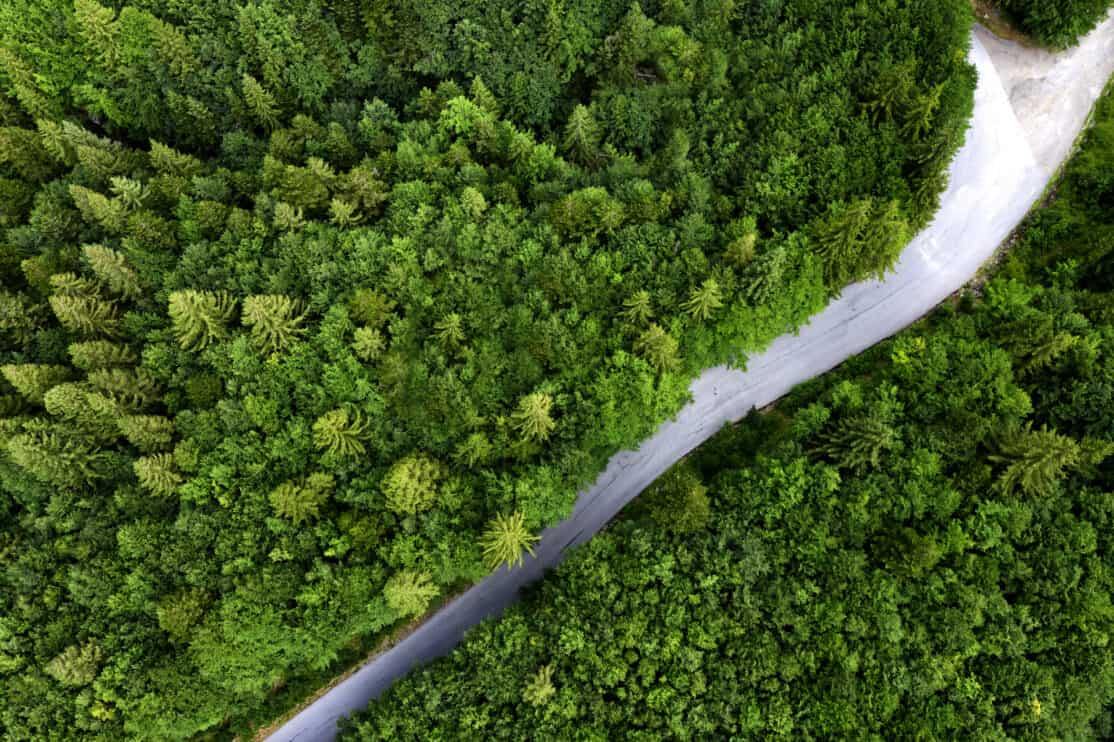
x,y
1058,23
916,546
314,311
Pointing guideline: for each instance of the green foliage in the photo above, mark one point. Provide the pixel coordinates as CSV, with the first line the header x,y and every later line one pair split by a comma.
x,y
1058,23
532,418
915,546
33,380
157,474
505,540
539,688
339,432
76,666
302,502
411,484
277,241
408,593
199,317
275,321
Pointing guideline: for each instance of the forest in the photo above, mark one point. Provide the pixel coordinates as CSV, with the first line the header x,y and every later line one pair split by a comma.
x,y
1057,23
917,545
313,312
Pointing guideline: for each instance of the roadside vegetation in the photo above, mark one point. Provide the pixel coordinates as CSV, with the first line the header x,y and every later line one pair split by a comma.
x,y
1055,23
917,545
312,312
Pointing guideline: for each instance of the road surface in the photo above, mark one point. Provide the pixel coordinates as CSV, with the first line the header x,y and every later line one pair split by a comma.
x,y
1029,107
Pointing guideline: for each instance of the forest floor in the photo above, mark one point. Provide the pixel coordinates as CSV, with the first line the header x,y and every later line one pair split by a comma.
x,y
1030,106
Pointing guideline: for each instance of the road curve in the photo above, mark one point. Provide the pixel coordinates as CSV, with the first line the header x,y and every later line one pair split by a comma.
x,y
1029,106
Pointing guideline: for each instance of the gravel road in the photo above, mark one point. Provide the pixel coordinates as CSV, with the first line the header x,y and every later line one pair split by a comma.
x,y
1029,107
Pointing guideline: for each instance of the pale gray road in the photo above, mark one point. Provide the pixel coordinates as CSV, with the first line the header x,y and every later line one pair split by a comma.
x,y
996,177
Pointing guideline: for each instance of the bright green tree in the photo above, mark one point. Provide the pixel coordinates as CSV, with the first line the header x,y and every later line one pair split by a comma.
x,y
505,540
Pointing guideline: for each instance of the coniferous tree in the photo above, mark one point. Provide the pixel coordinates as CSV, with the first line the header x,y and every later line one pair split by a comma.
x,y
338,432
658,347
199,317
156,473
180,612
582,136
859,441
704,300
275,321
368,343
449,330
505,540
113,271
259,102
18,317
539,688
638,307
147,432
1035,460
77,665
301,502
532,418
85,315
133,388
33,380
475,450
409,592
94,354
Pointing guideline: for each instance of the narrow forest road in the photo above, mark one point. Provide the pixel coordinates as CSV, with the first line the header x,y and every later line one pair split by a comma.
x,y
1029,107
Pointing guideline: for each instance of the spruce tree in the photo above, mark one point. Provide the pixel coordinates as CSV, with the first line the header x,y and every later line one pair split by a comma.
x,y
147,432
113,271
704,300
94,354
275,321
199,317
76,666
409,592
85,315
532,419
33,380
156,474
338,433
260,103
658,347
505,540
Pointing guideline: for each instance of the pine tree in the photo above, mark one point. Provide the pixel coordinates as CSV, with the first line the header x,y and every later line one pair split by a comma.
x,y
129,192
658,347
33,380
156,474
409,592
539,688
370,307
411,484
25,84
704,301
338,433
169,161
147,432
76,666
113,271
259,102
94,354
85,315
70,401
298,503
505,540
532,418
199,317
275,321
